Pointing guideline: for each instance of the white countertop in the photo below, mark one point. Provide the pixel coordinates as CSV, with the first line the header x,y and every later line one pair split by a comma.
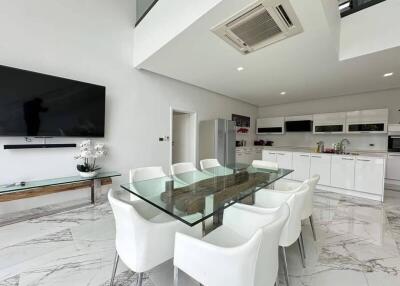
x,y
362,153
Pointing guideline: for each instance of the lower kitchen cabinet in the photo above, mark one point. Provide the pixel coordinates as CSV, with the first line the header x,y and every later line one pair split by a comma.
x,y
393,166
342,172
301,166
369,175
284,160
269,156
321,165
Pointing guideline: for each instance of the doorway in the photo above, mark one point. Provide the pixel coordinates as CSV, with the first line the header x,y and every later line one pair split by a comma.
x,y
183,147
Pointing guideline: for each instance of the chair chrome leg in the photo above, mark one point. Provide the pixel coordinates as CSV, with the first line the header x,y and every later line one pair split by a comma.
x,y
176,270
312,227
302,245
116,259
140,279
301,252
285,269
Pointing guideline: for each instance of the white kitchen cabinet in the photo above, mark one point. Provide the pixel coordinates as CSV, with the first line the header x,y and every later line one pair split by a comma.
x,y
269,156
393,166
258,153
284,160
329,123
367,121
240,158
273,125
369,175
343,171
248,155
321,165
301,166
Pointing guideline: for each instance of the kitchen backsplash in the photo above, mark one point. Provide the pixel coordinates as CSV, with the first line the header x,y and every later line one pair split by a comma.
x,y
358,141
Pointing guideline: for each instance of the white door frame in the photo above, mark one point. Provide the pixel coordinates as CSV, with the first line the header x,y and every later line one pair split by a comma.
x,y
194,126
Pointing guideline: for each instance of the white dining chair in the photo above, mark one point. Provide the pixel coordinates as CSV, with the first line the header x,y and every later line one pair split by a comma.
x,y
308,204
143,174
243,251
272,199
180,168
261,164
209,163
143,240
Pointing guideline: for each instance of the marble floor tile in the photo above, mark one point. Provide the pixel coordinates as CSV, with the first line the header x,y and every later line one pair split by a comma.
x,y
358,244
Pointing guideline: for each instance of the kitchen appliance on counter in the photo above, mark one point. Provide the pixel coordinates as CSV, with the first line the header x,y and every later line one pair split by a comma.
x,y
217,139
263,143
241,143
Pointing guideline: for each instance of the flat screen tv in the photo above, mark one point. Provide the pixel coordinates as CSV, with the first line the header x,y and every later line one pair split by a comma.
x,y
39,105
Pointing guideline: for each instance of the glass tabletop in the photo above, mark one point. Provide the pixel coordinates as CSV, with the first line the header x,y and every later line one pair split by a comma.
x,y
55,181
195,196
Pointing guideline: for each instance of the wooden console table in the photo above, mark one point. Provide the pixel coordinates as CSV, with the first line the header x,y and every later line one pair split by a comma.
x,y
43,187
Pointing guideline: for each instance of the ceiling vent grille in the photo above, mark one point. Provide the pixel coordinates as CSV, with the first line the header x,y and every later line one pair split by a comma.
x,y
261,24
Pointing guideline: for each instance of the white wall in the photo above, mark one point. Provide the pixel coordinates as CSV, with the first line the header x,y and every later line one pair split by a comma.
x,y
92,41
370,30
384,99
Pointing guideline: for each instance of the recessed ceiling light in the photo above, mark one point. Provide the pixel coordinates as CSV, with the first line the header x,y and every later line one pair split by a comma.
x,y
283,92
388,74
240,68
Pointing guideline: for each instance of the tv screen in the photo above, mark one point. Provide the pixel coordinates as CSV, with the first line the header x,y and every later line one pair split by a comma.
x,y
39,105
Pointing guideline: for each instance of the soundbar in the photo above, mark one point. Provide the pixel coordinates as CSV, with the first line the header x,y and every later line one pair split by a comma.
x,y
38,146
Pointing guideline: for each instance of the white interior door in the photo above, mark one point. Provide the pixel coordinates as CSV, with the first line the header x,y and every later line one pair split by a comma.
x,y
181,138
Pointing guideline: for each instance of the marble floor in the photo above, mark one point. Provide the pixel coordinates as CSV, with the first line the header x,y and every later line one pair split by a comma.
x,y
358,244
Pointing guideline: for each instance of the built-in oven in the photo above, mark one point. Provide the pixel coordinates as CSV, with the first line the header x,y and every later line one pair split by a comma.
x,y
394,142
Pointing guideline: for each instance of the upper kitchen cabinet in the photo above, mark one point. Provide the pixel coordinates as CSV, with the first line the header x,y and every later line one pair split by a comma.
x,y
367,121
303,123
329,123
273,125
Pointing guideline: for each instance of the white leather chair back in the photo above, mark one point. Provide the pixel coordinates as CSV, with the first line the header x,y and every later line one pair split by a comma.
x,y
209,163
143,174
180,168
255,262
132,234
146,173
308,203
260,164
268,258
292,229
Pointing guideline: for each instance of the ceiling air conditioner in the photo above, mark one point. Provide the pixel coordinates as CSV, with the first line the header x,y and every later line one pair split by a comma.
x,y
258,25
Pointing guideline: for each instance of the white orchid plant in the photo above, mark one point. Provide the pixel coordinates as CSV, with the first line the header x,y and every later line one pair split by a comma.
x,y
89,153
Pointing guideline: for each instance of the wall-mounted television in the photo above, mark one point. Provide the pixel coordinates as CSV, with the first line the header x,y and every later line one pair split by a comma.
x,y
39,105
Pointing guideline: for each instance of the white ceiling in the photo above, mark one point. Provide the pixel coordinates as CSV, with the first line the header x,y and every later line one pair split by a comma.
x,y
306,66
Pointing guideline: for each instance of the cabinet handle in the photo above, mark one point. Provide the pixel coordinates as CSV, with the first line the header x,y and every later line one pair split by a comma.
x,y
305,155
319,157
392,155
347,159
282,154
364,160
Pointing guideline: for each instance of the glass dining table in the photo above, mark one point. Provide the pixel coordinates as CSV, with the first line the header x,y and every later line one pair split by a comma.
x,y
195,196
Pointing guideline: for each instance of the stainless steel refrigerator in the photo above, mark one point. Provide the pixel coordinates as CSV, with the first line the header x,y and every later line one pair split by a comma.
x,y
217,139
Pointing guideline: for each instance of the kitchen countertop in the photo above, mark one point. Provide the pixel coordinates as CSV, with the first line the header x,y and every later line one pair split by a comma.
x,y
361,153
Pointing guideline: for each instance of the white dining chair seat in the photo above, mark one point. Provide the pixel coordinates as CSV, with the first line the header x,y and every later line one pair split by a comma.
x,y
161,218
225,237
